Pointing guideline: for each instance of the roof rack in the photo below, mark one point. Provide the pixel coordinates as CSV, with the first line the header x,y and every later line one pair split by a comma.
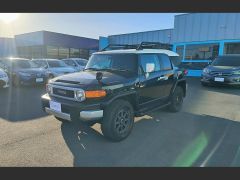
x,y
154,45
119,46
143,45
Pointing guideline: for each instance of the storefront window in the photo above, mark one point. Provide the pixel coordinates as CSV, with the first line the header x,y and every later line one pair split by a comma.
x,y
37,52
201,52
74,53
232,48
179,50
52,52
84,53
25,52
63,53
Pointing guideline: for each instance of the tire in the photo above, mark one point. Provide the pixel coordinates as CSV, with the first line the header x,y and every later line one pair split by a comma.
x,y
118,120
176,100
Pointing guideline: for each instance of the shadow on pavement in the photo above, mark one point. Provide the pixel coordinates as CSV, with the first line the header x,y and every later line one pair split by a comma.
x,y
20,104
165,139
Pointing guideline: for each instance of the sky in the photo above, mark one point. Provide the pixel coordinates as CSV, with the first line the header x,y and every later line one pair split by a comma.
x,y
90,25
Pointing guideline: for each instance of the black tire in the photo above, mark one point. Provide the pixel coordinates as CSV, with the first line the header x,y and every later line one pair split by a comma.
x,y
176,100
118,120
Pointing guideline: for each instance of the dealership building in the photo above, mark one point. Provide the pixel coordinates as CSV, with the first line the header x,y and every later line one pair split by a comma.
x,y
196,37
45,44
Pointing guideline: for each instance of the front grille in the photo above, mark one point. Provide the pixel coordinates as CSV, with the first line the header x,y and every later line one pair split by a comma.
x,y
63,92
66,81
219,73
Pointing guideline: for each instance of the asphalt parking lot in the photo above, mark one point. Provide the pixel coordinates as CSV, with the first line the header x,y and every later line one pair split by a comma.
x,y
205,133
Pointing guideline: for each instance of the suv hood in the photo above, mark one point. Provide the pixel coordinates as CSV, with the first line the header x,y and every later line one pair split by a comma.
x,y
223,68
87,79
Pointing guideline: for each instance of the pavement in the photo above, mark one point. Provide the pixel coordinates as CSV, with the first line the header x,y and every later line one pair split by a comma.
x,y
205,133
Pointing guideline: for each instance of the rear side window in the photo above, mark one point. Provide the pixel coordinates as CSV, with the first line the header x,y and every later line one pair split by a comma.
x,y
149,60
70,62
165,62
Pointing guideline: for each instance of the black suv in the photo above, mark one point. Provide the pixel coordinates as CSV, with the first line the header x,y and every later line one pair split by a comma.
x,y
116,86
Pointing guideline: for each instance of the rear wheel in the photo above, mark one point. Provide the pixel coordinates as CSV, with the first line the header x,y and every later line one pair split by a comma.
x,y
176,100
118,120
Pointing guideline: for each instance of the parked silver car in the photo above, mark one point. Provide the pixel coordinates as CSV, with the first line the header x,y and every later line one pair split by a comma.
x,y
77,63
54,67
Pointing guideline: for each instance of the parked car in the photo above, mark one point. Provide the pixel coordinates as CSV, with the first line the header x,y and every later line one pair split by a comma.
x,y
54,67
116,86
3,79
23,71
77,63
223,70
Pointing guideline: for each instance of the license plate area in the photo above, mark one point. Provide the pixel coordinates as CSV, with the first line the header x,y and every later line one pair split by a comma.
x,y
218,79
55,106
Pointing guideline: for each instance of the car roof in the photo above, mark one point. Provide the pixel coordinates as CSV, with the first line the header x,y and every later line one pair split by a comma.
x,y
47,59
75,59
135,51
14,58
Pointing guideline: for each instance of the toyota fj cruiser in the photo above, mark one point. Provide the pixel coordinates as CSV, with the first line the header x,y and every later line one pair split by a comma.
x,y
116,86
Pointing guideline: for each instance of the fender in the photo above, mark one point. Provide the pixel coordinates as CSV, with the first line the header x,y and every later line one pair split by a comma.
x,y
120,95
176,83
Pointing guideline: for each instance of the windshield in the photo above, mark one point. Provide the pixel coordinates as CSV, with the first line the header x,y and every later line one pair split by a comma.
x,y
56,64
127,62
81,62
24,64
227,61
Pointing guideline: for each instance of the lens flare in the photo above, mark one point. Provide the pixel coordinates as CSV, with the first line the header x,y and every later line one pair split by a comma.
x,y
8,17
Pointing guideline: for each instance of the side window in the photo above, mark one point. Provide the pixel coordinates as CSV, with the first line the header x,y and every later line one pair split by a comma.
x,y
149,63
165,62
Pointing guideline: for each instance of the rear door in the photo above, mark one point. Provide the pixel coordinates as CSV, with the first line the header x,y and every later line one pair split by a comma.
x,y
167,74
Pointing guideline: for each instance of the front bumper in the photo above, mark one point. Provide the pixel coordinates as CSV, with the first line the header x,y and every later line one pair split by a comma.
x,y
72,110
228,80
31,80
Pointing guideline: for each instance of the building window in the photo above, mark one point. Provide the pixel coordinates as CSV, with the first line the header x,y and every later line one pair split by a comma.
x,y
74,53
201,52
180,50
37,52
63,53
232,48
84,53
52,52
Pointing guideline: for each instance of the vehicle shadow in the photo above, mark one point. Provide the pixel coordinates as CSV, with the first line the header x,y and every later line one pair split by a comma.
x,y
21,103
166,139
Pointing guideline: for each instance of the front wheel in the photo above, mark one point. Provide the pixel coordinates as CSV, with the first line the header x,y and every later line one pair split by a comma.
x,y
176,100
118,120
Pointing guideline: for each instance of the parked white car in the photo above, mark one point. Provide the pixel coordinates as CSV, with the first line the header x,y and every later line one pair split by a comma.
x,y
54,67
77,63
4,81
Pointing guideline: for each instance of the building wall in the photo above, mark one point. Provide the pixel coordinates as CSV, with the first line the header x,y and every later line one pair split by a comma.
x,y
7,47
206,26
163,36
30,39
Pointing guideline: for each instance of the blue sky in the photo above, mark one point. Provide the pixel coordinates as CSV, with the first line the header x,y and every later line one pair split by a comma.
x,y
90,25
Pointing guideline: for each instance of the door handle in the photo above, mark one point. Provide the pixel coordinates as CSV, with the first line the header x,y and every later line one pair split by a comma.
x,y
162,78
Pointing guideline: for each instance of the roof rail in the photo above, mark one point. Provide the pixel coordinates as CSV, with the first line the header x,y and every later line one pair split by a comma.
x,y
119,46
154,45
143,45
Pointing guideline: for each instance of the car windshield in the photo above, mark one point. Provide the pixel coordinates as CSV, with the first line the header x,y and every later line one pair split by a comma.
x,y
56,63
227,61
81,62
121,62
24,64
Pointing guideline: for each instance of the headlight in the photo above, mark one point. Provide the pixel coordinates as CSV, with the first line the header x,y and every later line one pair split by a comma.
x,y
24,74
49,89
236,72
206,70
80,95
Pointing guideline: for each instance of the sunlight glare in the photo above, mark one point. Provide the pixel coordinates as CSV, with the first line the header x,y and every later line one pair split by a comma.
x,y
8,17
